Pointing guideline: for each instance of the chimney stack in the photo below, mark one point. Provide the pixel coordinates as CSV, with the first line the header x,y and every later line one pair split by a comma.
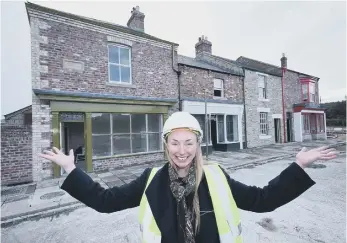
x,y
203,46
284,61
136,20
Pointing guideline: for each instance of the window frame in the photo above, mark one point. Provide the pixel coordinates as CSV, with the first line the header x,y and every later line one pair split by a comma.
x,y
306,123
220,89
235,119
310,91
111,134
264,123
119,64
263,94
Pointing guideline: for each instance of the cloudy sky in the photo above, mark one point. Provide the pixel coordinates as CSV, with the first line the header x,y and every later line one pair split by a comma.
x,y
311,34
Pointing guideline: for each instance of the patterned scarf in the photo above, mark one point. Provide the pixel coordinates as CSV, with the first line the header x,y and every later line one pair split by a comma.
x,y
182,187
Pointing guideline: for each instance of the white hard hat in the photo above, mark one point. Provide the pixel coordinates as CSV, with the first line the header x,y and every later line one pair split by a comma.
x,y
182,119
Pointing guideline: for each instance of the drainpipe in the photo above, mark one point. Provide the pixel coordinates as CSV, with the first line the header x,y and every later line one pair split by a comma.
x,y
244,109
178,72
283,106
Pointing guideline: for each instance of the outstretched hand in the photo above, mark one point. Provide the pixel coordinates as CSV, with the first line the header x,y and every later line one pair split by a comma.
x,y
65,161
306,157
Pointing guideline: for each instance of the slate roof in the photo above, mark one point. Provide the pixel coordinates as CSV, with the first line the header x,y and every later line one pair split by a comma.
x,y
255,65
192,62
22,110
232,66
100,23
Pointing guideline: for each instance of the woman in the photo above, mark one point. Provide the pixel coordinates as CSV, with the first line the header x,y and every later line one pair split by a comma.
x,y
185,200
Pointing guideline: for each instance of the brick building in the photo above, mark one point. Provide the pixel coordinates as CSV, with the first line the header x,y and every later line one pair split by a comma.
x,y
223,89
16,147
98,88
105,90
305,117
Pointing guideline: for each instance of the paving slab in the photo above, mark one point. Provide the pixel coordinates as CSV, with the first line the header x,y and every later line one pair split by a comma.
x,y
47,183
111,184
106,174
14,208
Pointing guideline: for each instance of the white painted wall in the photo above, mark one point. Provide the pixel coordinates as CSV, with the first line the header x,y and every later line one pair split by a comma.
x,y
298,126
196,107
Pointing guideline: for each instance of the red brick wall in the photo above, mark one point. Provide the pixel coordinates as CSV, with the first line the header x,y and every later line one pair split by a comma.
x,y
16,154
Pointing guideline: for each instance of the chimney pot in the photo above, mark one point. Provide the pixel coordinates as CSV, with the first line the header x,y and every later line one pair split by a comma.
x,y
136,20
284,61
204,45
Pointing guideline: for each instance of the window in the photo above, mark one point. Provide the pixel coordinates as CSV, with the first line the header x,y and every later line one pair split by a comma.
x,y
320,123
264,126
119,64
262,86
201,120
232,128
305,92
218,88
220,128
114,134
312,92
306,122
308,91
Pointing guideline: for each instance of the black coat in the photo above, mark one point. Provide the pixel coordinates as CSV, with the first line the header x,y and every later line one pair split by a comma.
x,y
291,182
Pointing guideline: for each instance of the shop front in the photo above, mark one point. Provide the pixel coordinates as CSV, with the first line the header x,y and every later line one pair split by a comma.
x,y
309,122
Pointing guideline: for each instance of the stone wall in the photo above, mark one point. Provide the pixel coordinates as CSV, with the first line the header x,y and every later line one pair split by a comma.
x,y
195,80
273,104
16,154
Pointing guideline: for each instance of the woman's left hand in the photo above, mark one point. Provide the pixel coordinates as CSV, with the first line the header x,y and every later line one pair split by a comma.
x,y
306,157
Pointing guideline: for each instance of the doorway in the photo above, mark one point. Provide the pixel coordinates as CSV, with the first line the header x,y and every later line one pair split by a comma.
x,y
72,137
277,122
290,136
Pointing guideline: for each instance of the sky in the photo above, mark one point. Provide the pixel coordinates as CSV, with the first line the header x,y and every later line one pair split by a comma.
x,y
312,35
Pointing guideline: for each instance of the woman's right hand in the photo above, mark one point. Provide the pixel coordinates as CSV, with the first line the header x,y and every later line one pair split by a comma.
x,y
67,162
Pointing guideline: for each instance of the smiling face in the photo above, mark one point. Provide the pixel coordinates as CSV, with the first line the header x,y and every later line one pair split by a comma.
x,y
182,146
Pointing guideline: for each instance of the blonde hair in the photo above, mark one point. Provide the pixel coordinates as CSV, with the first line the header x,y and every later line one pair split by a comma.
x,y
199,163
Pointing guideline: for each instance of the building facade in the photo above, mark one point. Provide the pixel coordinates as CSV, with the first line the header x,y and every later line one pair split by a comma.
x,y
105,90
16,147
295,103
263,102
101,89
216,91
305,117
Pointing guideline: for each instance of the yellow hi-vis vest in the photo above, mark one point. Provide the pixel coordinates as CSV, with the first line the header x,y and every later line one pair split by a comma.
x,y
225,209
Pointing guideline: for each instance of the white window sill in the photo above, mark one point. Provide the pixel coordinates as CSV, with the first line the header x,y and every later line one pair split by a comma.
x,y
219,98
125,85
266,100
228,142
265,136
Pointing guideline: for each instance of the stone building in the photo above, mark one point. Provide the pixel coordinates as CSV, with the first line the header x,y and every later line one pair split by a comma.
x,y
222,87
302,118
263,102
101,89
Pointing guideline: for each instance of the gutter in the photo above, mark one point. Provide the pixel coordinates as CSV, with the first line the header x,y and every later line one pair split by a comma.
x,y
178,72
244,109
